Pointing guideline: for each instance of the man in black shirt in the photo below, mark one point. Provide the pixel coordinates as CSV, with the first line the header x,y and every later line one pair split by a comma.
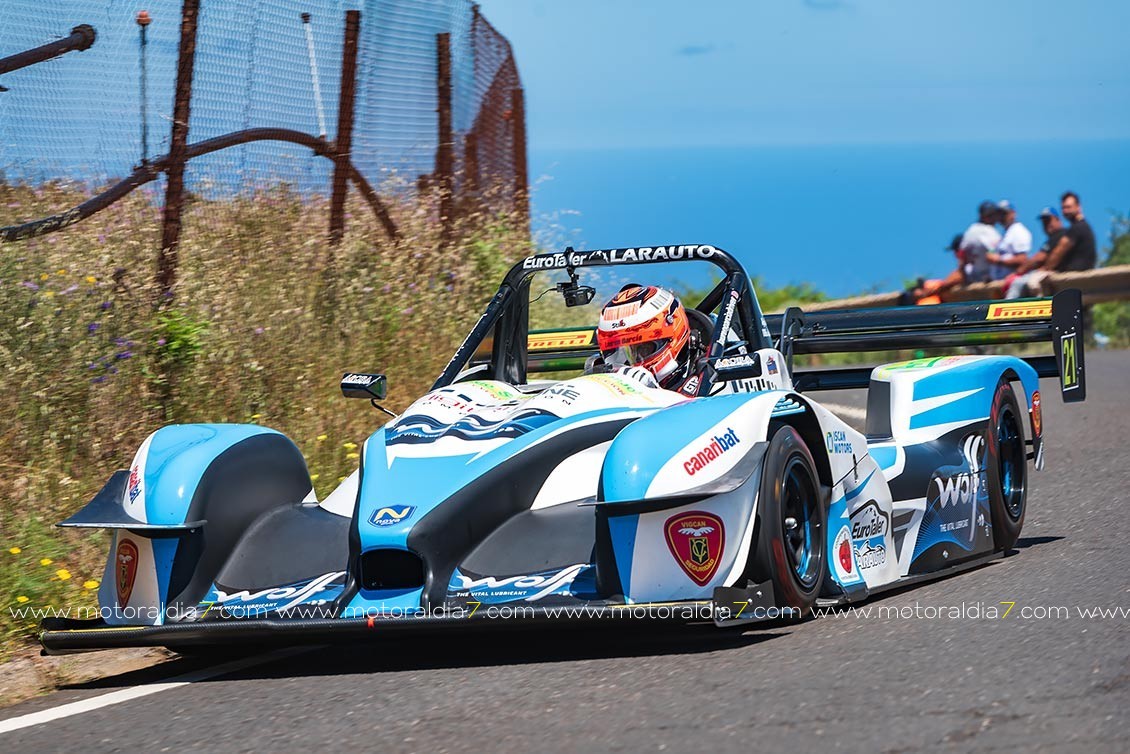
x,y
1071,252
1076,250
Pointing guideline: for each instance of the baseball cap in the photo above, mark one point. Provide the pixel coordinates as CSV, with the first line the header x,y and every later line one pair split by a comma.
x,y
1047,212
955,244
1006,205
987,208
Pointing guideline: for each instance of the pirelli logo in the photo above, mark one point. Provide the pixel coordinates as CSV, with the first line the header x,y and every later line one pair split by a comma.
x,y
1021,310
555,341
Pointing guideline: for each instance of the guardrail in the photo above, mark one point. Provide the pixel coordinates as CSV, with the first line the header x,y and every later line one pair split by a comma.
x,y
1098,285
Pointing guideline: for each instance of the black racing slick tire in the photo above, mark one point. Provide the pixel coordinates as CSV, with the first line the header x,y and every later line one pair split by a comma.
x,y
1006,467
792,519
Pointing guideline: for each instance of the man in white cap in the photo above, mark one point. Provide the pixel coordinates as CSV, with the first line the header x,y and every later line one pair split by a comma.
x,y
1014,248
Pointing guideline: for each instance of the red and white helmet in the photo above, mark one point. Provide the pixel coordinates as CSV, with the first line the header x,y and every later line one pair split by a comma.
x,y
643,326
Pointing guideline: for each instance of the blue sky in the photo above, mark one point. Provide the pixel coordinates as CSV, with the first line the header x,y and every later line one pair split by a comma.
x,y
612,73
856,135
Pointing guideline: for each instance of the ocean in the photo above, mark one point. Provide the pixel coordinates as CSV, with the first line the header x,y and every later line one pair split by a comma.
x,y
848,219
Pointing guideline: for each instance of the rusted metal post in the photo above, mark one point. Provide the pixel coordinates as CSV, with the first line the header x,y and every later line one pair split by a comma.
x,y
445,146
174,192
471,161
470,186
521,170
343,143
80,38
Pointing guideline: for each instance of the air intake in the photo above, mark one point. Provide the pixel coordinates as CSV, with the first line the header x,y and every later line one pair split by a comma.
x,y
391,569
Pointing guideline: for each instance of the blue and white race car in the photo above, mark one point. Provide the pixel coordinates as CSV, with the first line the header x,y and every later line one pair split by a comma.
x,y
498,495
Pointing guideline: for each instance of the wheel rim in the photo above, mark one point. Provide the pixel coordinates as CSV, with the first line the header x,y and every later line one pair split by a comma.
x,y
1010,457
800,522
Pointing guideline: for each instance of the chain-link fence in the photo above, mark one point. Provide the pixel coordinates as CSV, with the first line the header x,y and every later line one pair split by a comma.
x,y
80,117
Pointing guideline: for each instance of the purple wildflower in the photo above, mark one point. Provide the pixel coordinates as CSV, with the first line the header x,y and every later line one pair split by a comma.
x,y
258,330
106,305
93,327
30,285
68,289
125,355
99,378
160,341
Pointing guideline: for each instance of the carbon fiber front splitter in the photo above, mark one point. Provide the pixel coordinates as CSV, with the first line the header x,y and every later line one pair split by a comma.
x,y
63,636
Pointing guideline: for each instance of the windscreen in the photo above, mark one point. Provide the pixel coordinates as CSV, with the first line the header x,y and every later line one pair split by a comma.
x,y
562,337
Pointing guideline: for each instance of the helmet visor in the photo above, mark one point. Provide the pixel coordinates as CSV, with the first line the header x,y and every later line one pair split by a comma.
x,y
635,354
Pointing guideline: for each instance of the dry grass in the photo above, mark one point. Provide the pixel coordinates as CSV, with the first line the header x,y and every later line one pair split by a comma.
x,y
264,321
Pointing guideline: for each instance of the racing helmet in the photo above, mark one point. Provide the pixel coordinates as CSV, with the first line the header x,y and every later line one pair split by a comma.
x,y
643,326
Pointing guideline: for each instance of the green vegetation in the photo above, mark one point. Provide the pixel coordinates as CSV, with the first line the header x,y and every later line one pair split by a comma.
x,y
1113,319
261,328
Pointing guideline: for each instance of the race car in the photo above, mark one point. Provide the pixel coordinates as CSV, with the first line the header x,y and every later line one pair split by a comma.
x,y
528,485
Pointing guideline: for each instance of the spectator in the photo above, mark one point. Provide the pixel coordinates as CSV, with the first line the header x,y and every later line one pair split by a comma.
x,y
980,239
1016,284
923,291
930,291
1014,247
1076,250
1073,251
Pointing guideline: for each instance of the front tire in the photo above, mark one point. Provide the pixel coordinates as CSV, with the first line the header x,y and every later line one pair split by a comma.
x,y
1006,462
791,547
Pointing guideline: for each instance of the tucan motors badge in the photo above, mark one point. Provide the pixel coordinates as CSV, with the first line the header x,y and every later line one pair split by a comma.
x,y
125,570
696,540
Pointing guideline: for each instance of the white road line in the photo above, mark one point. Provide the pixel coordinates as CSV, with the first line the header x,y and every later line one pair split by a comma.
x,y
136,692
848,412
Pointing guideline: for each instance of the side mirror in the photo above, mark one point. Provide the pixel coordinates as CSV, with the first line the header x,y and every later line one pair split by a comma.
x,y
360,385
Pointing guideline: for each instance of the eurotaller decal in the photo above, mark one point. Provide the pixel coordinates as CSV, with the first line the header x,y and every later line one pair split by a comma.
x,y
718,445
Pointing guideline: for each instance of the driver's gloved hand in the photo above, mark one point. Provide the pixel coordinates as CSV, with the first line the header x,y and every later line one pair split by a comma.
x,y
639,374
595,365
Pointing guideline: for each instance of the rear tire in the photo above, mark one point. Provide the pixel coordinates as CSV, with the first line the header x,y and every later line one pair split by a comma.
x,y
1006,462
791,543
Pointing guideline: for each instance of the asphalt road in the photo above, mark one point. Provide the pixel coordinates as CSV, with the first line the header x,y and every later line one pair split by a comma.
x,y
854,683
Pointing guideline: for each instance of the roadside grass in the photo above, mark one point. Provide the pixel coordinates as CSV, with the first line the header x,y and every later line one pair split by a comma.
x,y
264,321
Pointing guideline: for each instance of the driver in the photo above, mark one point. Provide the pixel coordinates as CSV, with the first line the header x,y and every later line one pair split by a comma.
x,y
646,326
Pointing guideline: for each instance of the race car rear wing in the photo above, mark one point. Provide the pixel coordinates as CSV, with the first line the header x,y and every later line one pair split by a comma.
x,y
1058,320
